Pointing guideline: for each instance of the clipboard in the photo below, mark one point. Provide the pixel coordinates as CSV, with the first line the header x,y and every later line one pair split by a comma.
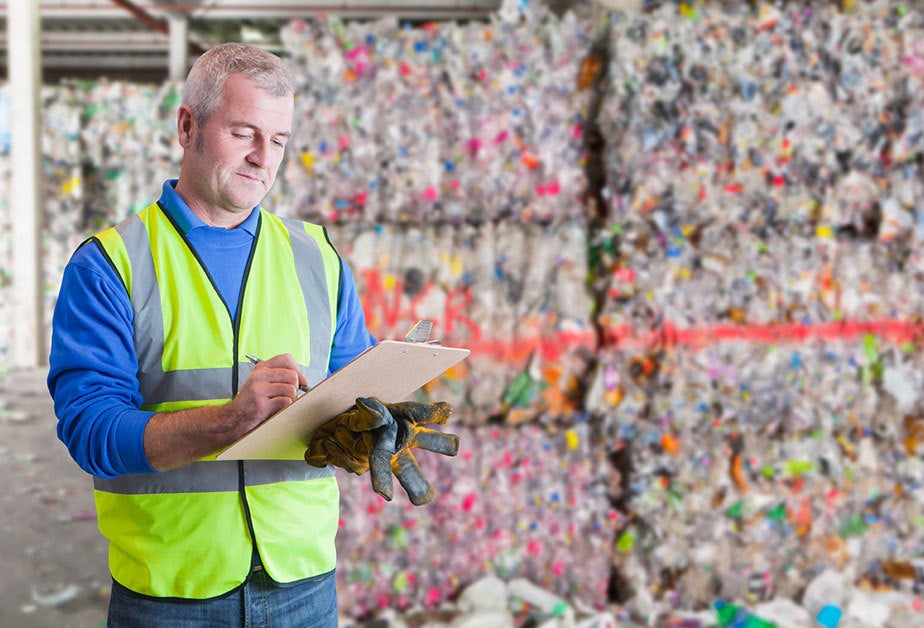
x,y
391,370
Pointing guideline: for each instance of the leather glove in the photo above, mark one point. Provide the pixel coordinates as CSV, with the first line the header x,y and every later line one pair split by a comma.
x,y
378,437
347,440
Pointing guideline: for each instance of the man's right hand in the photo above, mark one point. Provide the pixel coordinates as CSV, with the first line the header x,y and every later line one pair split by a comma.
x,y
173,439
272,386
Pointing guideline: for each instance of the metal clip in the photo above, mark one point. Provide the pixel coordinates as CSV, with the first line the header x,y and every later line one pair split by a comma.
x,y
420,332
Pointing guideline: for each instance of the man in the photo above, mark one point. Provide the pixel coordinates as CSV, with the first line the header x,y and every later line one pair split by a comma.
x,y
150,379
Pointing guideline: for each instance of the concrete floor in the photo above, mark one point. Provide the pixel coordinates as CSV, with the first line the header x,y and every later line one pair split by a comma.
x,y
54,558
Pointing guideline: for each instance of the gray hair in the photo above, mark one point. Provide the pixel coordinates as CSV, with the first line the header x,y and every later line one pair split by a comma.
x,y
205,84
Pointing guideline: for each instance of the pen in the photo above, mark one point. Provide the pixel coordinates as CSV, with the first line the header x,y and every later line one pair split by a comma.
x,y
255,360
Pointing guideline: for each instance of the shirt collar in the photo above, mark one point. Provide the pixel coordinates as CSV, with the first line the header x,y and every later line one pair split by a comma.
x,y
184,217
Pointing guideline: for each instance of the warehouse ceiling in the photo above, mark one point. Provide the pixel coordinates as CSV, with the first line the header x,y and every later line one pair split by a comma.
x,y
129,39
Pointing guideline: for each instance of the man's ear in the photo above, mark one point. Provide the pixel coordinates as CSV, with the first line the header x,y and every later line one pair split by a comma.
x,y
185,126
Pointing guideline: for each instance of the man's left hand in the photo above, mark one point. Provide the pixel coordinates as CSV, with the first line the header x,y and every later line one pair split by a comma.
x,y
378,437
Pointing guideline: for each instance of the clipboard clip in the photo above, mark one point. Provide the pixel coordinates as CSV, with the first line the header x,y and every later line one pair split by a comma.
x,y
420,333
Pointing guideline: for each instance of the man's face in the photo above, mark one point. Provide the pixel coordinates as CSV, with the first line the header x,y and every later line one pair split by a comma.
x,y
230,163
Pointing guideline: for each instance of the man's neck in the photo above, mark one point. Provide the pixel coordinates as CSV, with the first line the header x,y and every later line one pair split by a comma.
x,y
209,214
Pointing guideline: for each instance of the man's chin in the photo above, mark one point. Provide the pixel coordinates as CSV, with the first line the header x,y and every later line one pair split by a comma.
x,y
246,202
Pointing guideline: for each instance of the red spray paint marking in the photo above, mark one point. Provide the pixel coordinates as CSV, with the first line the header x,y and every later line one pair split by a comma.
x,y
887,329
553,345
388,309
377,299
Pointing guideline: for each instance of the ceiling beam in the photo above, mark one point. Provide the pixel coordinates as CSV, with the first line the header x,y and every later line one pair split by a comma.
x,y
256,9
156,24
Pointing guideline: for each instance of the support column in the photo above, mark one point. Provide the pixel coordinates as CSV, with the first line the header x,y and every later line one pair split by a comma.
x,y
26,206
179,46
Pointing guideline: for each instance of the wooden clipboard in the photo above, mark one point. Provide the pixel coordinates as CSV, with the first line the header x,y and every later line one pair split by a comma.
x,y
391,370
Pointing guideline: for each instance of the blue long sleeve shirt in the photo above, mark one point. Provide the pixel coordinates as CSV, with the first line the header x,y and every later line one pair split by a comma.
x,y
93,366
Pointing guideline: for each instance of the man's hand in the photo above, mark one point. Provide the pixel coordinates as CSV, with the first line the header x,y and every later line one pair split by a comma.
x,y
272,386
378,437
347,440
172,439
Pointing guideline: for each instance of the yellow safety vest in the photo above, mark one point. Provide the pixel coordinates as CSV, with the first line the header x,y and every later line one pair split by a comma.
x,y
191,532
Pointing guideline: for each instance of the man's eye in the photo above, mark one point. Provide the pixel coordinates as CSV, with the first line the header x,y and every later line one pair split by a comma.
x,y
242,136
279,143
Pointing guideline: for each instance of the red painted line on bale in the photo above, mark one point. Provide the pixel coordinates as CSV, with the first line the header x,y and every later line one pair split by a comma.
x,y
553,344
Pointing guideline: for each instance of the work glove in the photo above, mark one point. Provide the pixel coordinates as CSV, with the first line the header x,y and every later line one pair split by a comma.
x,y
378,437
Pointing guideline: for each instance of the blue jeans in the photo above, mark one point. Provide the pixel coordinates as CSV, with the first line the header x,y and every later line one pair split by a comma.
x,y
259,602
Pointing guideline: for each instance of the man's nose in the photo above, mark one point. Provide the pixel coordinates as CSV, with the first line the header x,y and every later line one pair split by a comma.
x,y
258,153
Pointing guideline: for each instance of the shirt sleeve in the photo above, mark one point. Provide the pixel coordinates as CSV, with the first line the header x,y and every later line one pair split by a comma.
x,y
351,336
93,369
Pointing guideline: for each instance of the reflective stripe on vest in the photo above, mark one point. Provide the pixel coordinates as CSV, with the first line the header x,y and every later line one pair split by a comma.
x,y
185,533
159,386
211,477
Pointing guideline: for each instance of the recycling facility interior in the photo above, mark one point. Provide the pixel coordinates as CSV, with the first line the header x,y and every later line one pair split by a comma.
x,y
684,245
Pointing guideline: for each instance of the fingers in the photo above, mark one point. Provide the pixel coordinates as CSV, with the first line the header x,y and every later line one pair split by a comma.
x,y
436,441
321,453
279,376
370,414
415,412
316,457
380,473
418,488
